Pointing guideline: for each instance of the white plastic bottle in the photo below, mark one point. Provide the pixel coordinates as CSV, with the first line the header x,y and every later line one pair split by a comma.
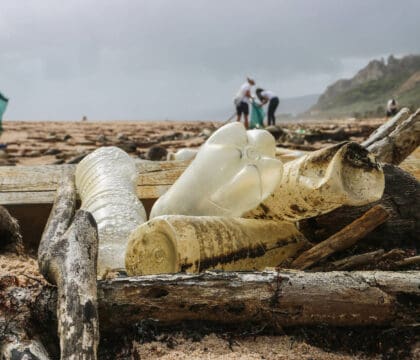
x,y
106,182
174,243
232,173
323,180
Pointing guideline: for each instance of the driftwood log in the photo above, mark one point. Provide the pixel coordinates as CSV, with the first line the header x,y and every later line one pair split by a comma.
x,y
68,258
353,262
400,143
285,298
401,199
385,129
343,239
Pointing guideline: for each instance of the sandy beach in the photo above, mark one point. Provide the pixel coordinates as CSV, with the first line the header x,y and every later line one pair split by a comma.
x,y
42,143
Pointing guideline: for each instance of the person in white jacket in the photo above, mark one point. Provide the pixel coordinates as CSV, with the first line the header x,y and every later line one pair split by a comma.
x,y
241,100
267,96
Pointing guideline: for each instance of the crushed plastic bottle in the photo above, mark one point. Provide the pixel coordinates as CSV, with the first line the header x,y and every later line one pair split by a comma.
x,y
232,173
106,182
174,243
323,180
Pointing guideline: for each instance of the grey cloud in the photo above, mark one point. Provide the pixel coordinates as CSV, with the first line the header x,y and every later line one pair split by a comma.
x,y
185,59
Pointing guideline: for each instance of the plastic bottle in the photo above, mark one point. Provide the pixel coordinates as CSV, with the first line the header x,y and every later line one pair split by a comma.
x,y
106,181
323,180
184,154
232,173
174,243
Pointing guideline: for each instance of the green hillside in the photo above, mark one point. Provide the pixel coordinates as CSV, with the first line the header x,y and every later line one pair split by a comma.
x,y
368,91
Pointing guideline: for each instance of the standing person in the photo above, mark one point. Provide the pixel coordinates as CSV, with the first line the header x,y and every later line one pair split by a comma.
x,y
242,100
391,107
273,102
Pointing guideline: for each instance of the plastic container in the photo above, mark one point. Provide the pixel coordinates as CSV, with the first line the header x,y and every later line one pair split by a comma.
x,y
106,182
232,173
323,180
170,244
183,154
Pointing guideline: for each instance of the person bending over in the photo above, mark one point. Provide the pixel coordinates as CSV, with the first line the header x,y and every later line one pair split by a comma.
x,y
267,96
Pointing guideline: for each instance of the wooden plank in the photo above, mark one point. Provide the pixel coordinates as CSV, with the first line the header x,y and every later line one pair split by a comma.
x,y
37,184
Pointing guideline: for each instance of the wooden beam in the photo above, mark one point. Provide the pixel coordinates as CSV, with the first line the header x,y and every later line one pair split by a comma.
x,y
37,184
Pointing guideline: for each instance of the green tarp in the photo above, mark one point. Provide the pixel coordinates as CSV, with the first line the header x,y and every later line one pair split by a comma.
x,y
3,105
257,116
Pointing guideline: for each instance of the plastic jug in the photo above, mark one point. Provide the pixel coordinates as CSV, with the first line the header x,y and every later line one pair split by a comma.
x,y
233,171
106,182
174,243
323,180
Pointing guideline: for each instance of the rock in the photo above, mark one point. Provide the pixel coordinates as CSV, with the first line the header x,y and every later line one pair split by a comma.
x,y
102,138
33,153
275,130
52,151
206,133
128,146
157,153
122,137
76,159
66,137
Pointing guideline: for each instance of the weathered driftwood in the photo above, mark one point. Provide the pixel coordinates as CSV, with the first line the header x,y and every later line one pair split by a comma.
x,y
345,238
277,299
400,143
286,298
353,262
17,337
19,349
10,236
68,258
401,198
413,260
385,129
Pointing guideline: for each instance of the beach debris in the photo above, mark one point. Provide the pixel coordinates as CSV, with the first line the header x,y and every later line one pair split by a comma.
x,y
156,153
183,154
401,198
10,235
345,238
106,182
323,180
232,173
388,127
67,258
174,243
394,147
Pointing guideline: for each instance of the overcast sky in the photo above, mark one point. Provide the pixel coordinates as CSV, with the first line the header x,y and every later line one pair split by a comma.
x,y
185,59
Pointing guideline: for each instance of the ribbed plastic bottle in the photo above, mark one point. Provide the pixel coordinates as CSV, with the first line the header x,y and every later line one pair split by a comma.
x,y
174,243
323,180
233,171
106,182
